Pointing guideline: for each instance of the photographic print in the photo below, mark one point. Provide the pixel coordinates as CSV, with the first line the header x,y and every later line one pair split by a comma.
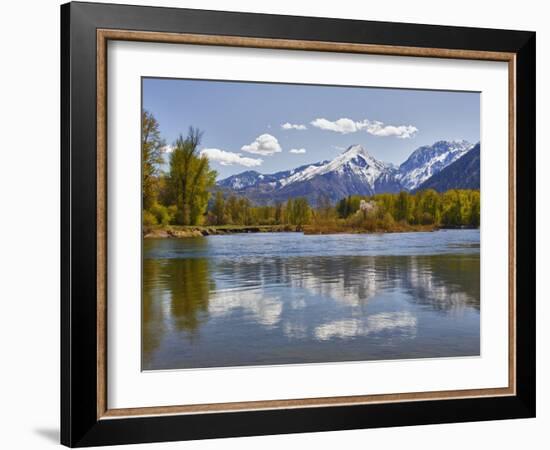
x,y
294,224
291,207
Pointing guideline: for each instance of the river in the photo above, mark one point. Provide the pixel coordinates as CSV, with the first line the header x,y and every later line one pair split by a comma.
x,y
288,298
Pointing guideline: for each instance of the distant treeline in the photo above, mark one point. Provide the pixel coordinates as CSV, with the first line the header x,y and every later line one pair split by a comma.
x,y
454,208
182,196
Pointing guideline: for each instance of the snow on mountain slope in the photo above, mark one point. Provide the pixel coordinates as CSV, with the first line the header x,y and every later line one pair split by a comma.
x,y
355,160
354,171
242,180
251,178
464,173
428,160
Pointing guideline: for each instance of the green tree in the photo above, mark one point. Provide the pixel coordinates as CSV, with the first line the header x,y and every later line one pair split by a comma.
x,y
152,148
431,206
218,209
279,214
301,212
232,210
341,208
243,208
426,207
325,210
403,207
452,208
353,204
190,178
475,207
289,212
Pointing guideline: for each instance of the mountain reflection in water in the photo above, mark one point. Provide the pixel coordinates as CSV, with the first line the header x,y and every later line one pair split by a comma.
x,y
207,303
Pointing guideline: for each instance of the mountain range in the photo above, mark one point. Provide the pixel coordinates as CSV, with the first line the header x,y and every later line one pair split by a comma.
x,y
461,174
355,171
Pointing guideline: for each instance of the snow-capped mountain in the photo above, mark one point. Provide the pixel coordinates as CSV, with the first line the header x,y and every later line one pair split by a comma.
x,y
428,160
355,161
464,173
354,171
242,180
252,178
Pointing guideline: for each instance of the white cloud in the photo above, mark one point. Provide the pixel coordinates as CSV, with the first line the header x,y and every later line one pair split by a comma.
x,y
293,126
168,149
376,128
297,151
229,158
264,144
342,125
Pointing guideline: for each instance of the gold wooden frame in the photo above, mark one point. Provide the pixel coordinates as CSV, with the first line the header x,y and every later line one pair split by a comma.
x,y
104,35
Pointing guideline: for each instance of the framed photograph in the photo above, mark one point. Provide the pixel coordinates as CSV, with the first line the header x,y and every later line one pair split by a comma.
x,y
276,224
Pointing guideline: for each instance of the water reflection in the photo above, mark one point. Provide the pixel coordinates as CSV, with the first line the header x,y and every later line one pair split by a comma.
x,y
252,304
401,322
246,310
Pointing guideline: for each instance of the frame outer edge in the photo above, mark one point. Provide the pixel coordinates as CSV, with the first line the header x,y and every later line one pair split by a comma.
x,y
65,334
526,224
79,239
101,225
79,426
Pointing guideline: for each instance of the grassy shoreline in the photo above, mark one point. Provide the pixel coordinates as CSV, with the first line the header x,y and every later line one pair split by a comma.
x,y
340,228
181,231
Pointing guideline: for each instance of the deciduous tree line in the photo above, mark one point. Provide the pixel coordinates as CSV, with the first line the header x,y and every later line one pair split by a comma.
x,y
181,195
452,208
240,211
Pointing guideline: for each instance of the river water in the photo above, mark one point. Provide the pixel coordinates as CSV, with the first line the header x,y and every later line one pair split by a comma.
x,y
288,298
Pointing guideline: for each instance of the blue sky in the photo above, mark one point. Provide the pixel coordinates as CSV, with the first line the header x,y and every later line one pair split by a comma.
x,y
244,123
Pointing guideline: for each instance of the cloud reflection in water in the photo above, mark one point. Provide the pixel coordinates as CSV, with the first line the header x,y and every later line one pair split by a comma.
x,y
233,310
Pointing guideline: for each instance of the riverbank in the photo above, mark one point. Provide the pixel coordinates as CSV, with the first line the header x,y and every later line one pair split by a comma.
x,y
358,230
342,228
180,231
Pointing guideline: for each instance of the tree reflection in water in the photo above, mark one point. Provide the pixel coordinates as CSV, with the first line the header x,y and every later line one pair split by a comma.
x,y
205,312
